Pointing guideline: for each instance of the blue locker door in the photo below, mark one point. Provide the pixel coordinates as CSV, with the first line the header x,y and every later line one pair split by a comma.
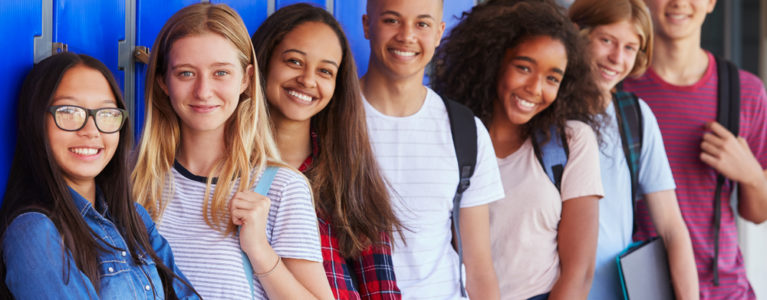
x,y
451,15
253,13
320,3
151,15
92,27
20,22
349,14
453,12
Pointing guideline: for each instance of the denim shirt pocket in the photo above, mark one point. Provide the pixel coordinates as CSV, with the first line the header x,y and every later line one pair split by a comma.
x,y
116,279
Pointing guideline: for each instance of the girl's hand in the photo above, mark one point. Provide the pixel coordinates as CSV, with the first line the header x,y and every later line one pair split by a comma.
x,y
249,210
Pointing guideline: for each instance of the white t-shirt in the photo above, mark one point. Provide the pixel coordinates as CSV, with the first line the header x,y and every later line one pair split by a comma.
x,y
417,157
212,261
524,225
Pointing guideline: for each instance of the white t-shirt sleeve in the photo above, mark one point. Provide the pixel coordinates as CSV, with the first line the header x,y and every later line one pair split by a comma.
x,y
292,224
486,183
654,169
582,176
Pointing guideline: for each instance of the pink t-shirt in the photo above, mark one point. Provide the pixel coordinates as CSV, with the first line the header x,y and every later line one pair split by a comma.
x,y
524,224
682,112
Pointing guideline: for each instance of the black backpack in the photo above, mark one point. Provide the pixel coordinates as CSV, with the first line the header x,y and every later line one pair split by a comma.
x,y
727,114
464,132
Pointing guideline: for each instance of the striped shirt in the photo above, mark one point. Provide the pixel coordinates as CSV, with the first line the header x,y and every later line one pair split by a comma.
x,y
212,261
682,112
417,158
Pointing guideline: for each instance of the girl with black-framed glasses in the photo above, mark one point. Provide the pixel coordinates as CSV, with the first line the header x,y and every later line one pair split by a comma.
x,y
70,228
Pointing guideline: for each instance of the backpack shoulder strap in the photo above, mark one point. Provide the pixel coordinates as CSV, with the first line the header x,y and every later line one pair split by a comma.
x,y
262,187
629,116
464,132
728,107
727,114
552,155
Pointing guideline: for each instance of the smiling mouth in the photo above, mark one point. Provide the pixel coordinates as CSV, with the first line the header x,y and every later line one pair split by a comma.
x,y
403,53
524,104
203,108
300,97
607,71
85,151
677,17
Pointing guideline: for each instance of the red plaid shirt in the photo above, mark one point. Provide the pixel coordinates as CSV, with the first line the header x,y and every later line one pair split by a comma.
x,y
369,276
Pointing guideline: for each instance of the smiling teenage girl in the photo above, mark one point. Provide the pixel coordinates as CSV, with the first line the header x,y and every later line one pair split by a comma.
x,y
520,68
69,225
206,142
319,123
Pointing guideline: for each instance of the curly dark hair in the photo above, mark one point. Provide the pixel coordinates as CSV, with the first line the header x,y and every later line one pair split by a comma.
x,y
467,64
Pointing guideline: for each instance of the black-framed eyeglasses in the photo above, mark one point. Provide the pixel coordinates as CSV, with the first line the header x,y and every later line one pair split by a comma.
x,y
73,117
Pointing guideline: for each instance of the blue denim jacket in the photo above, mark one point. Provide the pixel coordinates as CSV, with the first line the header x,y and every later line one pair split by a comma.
x,y
32,251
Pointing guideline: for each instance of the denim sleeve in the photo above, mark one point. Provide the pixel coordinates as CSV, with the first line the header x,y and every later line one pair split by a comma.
x,y
36,265
163,251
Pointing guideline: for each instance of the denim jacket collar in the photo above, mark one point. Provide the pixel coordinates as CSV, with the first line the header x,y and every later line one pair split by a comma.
x,y
83,204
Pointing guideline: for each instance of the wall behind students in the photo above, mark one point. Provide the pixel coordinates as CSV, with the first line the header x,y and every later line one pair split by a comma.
x,y
119,33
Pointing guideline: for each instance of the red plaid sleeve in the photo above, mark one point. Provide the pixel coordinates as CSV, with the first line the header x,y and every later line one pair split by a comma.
x,y
336,269
375,273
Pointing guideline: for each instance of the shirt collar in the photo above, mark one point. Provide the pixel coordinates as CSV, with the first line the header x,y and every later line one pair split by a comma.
x,y
83,204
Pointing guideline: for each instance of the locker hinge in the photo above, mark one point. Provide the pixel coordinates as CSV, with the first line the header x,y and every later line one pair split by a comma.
x,y
141,54
59,47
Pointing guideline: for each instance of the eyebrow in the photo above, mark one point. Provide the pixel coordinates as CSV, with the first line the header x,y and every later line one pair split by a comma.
x,y
304,54
216,64
530,60
612,36
65,97
396,14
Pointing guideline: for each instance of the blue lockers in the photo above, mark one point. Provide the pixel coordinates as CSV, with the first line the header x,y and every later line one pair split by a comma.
x,y
93,27
20,22
150,16
96,27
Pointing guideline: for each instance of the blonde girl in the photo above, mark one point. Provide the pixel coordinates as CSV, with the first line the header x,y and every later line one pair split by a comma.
x,y
206,143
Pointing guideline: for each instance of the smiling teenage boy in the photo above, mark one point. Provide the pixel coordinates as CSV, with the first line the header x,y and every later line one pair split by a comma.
x,y
411,137
681,88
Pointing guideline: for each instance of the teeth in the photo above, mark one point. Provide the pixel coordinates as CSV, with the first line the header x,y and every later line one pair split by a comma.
x,y
525,103
677,16
85,151
609,72
403,53
300,96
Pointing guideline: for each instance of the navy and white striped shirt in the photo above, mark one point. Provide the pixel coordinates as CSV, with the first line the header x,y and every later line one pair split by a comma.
x,y
211,260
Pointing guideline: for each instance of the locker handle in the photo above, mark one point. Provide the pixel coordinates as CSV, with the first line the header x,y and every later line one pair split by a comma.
x,y
141,54
59,47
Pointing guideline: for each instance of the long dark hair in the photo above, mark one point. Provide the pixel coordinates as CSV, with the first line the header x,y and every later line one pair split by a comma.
x,y
350,192
36,183
467,64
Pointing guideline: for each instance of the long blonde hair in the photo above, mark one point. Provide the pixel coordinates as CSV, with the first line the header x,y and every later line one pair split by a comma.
x,y
249,141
